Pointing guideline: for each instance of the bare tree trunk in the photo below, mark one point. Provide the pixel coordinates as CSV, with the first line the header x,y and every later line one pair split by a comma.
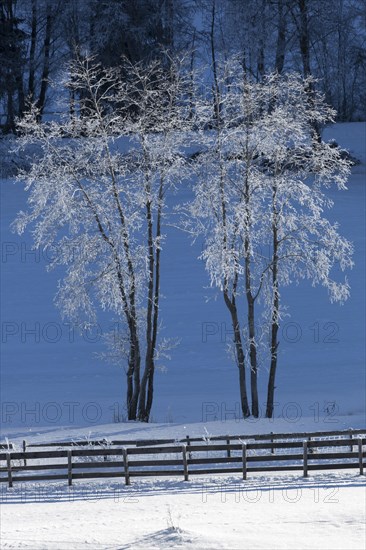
x,y
253,356
150,390
216,87
11,44
304,37
131,317
191,78
169,21
149,357
251,310
10,117
251,335
304,40
46,62
262,34
239,352
152,320
129,397
128,301
135,362
275,312
32,52
20,88
281,38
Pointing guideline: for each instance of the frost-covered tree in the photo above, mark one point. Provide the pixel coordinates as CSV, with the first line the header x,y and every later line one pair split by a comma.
x,y
259,204
97,193
302,243
224,212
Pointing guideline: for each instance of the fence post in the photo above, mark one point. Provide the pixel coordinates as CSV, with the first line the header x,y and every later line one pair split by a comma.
x,y
10,474
360,461
244,458
351,437
272,448
305,457
69,467
185,462
228,451
24,450
125,462
188,445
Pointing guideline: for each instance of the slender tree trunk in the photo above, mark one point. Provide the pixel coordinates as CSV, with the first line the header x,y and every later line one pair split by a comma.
x,y
133,371
304,39
142,413
10,30
150,389
250,309
135,362
252,336
191,78
261,48
10,117
275,313
253,356
46,62
129,397
20,89
274,347
134,341
32,53
169,21
281,38
152,319
239,352
216,87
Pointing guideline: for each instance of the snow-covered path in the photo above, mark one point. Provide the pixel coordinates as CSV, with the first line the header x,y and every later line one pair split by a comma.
x,y
324,511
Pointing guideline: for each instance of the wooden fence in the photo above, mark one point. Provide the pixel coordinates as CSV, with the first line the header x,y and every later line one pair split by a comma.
x,y
186,460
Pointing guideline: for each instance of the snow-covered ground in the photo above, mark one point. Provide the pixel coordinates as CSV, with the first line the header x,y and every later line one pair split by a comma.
x,y
326,510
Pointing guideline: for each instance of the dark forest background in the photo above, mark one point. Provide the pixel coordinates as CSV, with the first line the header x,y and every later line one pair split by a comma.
x,y
324,38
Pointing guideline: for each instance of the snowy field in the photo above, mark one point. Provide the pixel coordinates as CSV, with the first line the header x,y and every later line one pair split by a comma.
x,y
326,510
54,388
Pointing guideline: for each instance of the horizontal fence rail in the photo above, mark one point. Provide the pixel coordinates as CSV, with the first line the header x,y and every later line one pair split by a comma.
x,y
183,460
188,440
270,436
